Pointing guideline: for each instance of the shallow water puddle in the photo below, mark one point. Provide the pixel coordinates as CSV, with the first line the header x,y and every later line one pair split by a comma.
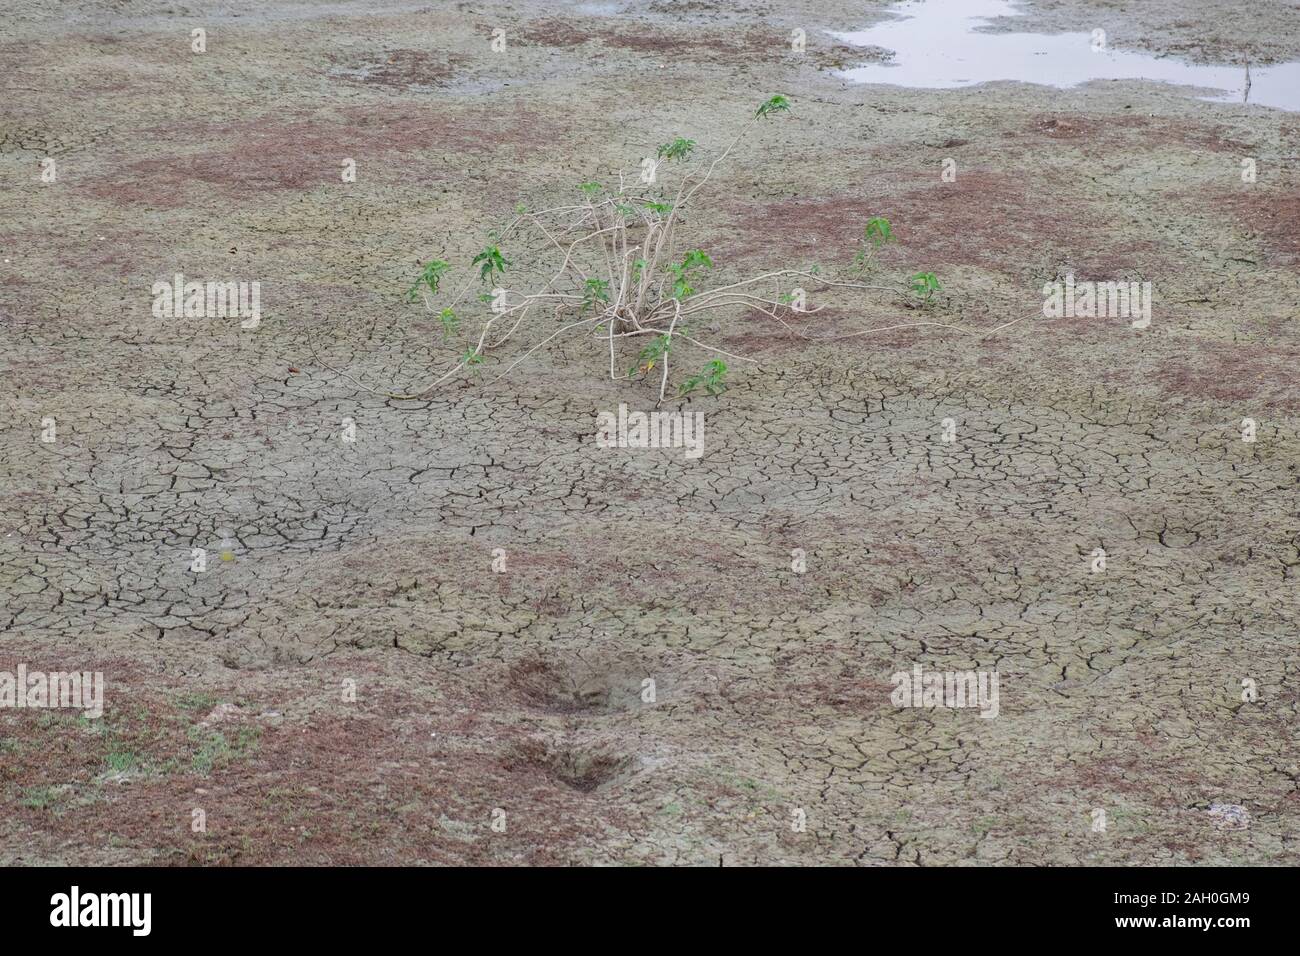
x,y
944,44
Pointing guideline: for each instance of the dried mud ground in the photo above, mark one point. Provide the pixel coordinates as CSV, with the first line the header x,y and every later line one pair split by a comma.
x,y
371,562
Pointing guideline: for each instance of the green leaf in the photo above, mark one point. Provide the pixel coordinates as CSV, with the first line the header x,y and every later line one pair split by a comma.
x,y
679,148
490,262
595,292
710,378
925,284
878,231
450,323
430,275
776,104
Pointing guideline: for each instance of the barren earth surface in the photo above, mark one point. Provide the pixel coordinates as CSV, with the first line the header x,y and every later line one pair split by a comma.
x,y
369,564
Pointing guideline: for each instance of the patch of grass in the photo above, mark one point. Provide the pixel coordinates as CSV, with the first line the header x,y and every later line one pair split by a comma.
x,y
201,854
52,718
196,702
123,761
215,749
41,798
98,726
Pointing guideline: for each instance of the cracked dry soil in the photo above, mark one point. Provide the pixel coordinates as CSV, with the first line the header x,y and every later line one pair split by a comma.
x,y
371,562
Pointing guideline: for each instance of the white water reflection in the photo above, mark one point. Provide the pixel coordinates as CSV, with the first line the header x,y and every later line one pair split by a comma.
x,y
942,44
